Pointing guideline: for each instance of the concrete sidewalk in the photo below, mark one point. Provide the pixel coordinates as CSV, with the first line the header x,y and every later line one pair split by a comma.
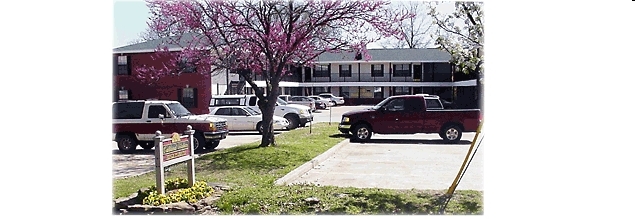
x,y
397,162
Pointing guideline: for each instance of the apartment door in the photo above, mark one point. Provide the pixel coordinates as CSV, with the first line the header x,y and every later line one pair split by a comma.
x,y
417,72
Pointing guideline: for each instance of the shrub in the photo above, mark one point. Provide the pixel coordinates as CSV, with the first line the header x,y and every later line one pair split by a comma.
x,y
178,192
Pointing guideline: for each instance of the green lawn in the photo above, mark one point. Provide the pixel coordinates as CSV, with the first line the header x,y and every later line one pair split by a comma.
x,y
251,171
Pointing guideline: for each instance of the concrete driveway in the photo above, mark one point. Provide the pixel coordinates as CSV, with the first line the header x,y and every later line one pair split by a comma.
x,y
417,161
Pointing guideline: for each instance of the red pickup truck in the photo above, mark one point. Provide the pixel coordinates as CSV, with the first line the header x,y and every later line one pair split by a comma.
x,y
408,114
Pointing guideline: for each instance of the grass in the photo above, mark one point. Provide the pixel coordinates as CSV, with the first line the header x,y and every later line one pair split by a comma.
x,y
251,171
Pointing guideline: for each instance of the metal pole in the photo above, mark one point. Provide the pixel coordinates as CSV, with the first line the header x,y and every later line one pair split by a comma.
x,y
330,113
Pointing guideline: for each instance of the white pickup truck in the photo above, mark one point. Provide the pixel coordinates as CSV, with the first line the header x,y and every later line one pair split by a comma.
x,y
297,115
135,123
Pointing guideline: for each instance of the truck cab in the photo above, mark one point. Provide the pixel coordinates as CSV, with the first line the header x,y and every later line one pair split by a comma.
x,y
135,123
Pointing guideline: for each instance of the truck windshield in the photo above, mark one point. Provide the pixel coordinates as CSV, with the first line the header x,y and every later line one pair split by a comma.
x,y
281,102
178,109
376,107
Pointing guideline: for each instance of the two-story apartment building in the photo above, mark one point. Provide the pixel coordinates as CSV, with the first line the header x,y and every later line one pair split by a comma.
x,y
389,72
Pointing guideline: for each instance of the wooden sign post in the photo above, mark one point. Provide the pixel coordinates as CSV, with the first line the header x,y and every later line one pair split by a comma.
x,y
171,151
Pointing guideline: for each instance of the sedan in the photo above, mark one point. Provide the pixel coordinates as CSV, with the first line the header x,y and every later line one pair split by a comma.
x,y
324,102
243,118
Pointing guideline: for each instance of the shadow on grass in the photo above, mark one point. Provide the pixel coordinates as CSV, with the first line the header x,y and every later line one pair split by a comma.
x,y
339,135
249,157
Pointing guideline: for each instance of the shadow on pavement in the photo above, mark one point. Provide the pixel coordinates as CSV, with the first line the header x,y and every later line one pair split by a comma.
x,y
412,141
252,133
136,152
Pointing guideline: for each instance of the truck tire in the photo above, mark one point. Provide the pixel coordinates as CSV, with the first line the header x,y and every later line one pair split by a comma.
x,y
212,145
294,121
451,134
126,144
361,133
259,128
199,142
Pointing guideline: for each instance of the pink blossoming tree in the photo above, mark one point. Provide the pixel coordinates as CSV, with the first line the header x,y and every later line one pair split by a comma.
x,y
264,37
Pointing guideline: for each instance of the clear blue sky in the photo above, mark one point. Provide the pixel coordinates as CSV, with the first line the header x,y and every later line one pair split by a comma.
x,y
131,17
130,20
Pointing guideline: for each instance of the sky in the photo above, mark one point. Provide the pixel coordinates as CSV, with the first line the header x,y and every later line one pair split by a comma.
x,y
130,19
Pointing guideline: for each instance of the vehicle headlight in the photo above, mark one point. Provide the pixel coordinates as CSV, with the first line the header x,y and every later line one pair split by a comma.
x,y
212,127
345,119
302,111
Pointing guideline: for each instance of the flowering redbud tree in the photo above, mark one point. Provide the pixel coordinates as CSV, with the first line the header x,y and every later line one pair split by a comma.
x,y
265,38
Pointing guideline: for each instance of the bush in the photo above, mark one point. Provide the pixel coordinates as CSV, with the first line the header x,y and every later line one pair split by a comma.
x,y
198,191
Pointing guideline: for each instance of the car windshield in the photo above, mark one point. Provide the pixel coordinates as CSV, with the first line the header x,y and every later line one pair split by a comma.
x,y
376,107
252,111
178,109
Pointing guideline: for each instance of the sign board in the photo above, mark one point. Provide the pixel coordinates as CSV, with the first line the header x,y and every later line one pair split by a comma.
x,y
173,150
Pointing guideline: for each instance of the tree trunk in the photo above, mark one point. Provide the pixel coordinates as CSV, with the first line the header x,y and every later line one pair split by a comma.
x,y
268,108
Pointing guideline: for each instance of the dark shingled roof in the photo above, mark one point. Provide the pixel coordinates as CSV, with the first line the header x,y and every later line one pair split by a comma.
x,y
390,55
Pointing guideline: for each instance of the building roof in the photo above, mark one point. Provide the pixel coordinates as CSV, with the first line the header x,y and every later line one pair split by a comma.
x,y
390,55
152,45
377,55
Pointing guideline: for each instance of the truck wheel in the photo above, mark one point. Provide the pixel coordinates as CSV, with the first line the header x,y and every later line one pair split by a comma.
x,y
199,142
260,128
147,145
361,133
302,124
294,121
213,145
451,134
126,144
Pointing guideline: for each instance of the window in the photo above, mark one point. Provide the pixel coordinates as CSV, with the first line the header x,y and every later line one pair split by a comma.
x,y
238,112
253,101
227,102
223,112
414,104
319,90
401,70
345,71
395,105
124,94
433,104
321,71
154,111
132,110
187,97
123,65
377,70
345,92
186,66
378,92
401,91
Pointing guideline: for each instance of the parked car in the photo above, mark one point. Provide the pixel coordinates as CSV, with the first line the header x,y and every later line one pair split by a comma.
x,y
335,99
299,100
326,102
408,114
242,118
297,115
135,123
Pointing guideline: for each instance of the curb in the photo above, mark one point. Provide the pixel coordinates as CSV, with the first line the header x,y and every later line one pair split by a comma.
x,y
304,168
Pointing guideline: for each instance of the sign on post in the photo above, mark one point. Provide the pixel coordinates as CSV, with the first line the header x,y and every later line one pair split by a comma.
x,y
173,150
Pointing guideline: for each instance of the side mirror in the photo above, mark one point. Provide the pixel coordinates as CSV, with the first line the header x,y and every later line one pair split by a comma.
x,y
161,116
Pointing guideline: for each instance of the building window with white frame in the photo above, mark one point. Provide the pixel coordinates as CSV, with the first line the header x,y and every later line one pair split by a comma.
x,y
345,71
321,71
401,91
377,70
124,94
123,65
401,70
